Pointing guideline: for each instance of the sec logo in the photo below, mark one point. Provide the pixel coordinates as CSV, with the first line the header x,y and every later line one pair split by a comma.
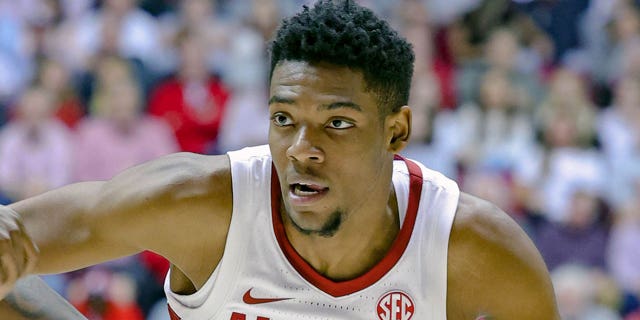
x,y
395,305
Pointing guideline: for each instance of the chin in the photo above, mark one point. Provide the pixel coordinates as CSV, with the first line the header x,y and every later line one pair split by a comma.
x,y
326,228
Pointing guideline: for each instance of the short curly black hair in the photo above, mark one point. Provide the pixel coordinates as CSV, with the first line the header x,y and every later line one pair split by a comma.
x,y
343,33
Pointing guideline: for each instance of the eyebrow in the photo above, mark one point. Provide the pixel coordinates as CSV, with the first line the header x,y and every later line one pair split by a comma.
x,y
340,104
279,99
330,106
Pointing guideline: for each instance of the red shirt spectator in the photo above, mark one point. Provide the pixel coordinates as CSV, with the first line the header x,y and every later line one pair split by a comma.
x,y
193,110
102,295
193,101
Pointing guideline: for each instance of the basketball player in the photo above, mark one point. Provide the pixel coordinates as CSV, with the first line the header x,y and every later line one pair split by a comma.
x,y
324,223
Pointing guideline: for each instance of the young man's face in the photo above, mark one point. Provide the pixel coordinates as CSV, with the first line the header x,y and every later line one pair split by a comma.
x,y
330,146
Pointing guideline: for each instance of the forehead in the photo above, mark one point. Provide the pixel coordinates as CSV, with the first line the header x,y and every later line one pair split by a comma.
x,y
298,77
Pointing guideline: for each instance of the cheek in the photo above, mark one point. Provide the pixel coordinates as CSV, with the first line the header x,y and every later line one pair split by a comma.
x,y
278,147
361,169
363,155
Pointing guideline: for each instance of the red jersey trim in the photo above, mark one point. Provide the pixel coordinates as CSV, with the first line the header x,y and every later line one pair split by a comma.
x,y
343,288
172,314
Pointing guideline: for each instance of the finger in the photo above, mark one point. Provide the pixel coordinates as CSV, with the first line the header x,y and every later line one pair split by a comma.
x,y
5,284
9,275
6,226
17,254
6,249
10,269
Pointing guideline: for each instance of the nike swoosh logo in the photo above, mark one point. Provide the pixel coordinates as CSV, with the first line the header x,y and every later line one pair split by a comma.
x,y
248,299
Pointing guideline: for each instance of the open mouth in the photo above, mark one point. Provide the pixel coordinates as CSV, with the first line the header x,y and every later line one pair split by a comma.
x,y
306,190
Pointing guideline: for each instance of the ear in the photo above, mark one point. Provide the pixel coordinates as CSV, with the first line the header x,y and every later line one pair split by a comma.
x,y
398,129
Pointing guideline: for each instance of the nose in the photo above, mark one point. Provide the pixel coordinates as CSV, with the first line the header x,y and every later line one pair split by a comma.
x,y
303,149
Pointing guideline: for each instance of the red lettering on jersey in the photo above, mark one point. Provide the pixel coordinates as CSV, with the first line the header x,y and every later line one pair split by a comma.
x,y
238,316
395,305
242,316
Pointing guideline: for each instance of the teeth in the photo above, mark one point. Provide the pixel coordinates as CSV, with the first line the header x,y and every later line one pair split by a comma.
x,y
297,190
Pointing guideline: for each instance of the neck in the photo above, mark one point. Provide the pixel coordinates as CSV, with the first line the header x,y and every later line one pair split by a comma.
x,y
364,238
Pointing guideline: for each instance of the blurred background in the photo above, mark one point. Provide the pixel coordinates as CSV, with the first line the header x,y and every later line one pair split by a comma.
x,y
532,104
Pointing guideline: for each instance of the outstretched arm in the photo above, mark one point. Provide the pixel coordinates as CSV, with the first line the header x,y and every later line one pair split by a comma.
x,y
176,204
495,271
32,299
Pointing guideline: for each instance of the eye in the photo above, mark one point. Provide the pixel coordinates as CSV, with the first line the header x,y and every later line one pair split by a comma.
x,y
281,120
340,124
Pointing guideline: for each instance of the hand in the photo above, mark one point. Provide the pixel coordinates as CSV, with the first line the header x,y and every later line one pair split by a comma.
x,y
18,253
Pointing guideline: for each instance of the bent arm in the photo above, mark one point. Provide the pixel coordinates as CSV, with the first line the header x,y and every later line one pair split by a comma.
x,y
494,269
33,299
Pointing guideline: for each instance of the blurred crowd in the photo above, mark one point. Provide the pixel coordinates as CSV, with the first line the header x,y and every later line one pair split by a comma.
x,y
532,104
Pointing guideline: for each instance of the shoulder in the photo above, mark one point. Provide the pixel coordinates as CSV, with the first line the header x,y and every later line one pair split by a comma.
x,y
494,268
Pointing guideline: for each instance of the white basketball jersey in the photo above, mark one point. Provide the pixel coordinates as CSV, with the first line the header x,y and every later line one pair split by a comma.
x,y
262,277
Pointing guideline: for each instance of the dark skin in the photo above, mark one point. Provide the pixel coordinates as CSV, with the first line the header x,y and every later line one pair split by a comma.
x,y
326,133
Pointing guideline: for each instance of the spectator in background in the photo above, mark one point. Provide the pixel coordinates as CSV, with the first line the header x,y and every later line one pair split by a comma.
x,y
568,94
624,33
495,132
264,17
55,78
567,157
35,148
198,17
119,136
594,36
193,101
581,239
43,18
501,52
116,27
576,293
108,71
619,132
623,257
102,295
16,58
246,75
67,42
120,27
